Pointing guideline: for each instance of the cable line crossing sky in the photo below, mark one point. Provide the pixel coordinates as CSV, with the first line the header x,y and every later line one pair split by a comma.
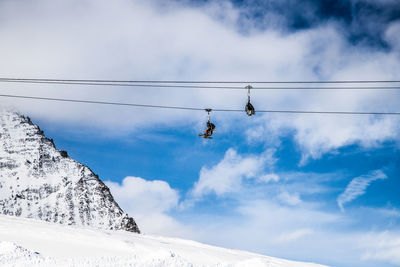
x,y
195,108
198,84
170,81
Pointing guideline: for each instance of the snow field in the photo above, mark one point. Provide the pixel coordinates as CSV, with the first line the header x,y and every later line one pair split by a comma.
x,y
28,242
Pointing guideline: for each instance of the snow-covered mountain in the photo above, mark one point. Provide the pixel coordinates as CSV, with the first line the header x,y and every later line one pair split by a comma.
x,y
39,181
28,242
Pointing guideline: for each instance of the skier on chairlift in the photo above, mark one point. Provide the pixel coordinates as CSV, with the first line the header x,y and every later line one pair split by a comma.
x,y
210,127
210,130
249,107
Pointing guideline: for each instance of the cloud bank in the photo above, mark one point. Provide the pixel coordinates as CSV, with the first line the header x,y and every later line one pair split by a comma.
x,y
317,135
151,40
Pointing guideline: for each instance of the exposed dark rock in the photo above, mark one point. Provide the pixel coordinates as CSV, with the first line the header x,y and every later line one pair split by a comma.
x,y
63,153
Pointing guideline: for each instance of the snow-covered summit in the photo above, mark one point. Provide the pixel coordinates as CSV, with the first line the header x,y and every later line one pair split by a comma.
x,y
39,181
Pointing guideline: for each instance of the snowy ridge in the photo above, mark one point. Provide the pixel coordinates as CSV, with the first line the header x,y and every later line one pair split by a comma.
x,y
14,255
28,242
39,181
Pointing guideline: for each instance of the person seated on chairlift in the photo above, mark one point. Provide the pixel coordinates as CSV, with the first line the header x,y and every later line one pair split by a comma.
x,y
210,129
250,109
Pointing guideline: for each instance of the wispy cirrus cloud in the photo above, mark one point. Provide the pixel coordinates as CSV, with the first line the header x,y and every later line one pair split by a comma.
x,y
358,186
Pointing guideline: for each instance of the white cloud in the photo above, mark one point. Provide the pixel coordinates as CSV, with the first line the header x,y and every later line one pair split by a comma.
x,y
265,226
357,187
318,134
384,246
266,178
149,202
227,176
143,195
292,236
392,35
289,199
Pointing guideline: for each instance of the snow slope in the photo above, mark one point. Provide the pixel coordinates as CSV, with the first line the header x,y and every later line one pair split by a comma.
x,y
28,242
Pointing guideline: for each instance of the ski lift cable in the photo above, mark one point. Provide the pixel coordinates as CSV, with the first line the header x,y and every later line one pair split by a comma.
x,y
194,108
120,84
198,82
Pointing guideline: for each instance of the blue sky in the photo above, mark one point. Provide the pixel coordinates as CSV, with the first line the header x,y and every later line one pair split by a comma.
x,y
322,188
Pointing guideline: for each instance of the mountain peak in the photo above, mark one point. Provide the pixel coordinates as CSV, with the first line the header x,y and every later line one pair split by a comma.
x,y
39,181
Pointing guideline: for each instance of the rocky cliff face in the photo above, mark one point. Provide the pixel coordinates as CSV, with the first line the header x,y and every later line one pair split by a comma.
x,y
39,181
